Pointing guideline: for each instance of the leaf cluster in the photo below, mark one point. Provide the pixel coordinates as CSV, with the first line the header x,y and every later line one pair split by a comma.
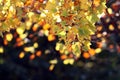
x,y
71,20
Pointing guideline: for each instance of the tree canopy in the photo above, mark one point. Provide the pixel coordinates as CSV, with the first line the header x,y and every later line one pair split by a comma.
x,y
72,21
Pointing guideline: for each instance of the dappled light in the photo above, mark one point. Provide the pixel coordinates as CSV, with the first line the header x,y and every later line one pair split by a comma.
x,y
59,40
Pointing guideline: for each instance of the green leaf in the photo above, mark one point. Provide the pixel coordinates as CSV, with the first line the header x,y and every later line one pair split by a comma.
x,y
86,46
92,27
94,18
54,10
83,31
62,33
63,23
64,13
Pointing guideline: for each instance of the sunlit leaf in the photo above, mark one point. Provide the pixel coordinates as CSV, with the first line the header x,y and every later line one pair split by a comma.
x,y
86,55
38,53
62,33
51,37
9,37
35,45
1,50
51,67
21,55
54,61
32,56
98,50
29,49
86,47
68,61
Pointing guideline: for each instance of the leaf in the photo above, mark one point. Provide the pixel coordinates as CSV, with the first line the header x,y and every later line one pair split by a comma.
x,y
86,46
1,1
62,33
76,48
91,27
19,11
64,13
94,18
83,31
100,8
63,23
54,10
4,27
51,6
54,61
70,36
83,5
59,46
74,29
68,61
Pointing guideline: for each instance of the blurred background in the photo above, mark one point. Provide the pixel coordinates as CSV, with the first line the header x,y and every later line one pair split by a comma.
x,y
28,54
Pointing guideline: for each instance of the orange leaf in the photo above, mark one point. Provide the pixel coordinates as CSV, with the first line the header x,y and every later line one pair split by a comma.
x,y
86,55
38,53
92,52
46,26
32,56
63,57
51,37
5,42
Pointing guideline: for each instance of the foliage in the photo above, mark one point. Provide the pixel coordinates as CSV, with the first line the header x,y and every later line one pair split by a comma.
x,y
71,20
107,35
30,54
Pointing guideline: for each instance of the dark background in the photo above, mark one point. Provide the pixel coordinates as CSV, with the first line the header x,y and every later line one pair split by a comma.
x,y
102,66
